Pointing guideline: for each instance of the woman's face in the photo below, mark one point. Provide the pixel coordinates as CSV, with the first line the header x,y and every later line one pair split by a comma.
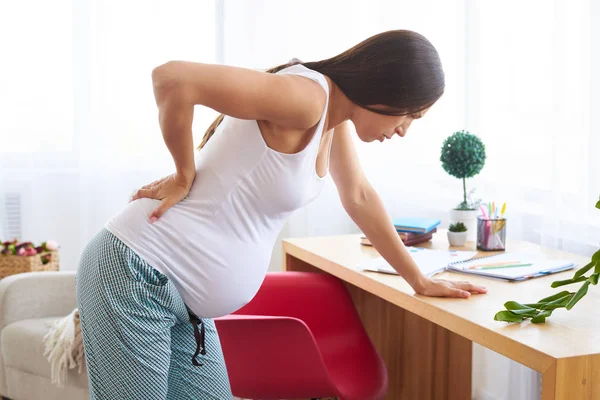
x,y
372,126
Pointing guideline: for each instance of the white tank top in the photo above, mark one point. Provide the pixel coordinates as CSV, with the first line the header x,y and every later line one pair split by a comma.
x,y
215,245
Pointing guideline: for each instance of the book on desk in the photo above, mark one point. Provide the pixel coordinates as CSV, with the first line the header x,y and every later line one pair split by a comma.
x,y
415,224
412,231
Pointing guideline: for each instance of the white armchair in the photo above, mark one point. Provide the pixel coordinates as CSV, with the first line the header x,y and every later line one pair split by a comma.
x,y
29,304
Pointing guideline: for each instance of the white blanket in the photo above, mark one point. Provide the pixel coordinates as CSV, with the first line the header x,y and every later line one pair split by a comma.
x,y
64,347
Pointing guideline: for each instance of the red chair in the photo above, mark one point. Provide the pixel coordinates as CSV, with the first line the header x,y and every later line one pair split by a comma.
x,y
301,337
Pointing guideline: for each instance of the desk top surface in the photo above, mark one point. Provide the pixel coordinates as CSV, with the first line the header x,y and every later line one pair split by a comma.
x,y
565,334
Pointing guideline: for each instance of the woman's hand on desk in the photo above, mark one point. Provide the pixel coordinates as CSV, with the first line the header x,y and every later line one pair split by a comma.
x,y
443,288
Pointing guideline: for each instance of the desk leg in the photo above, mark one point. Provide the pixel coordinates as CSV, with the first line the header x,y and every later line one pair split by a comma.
x,y
424,361
572,378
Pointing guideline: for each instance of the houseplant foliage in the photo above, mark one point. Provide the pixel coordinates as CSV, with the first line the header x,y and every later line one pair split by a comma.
x,y
457,227
457,234
463,156
538,312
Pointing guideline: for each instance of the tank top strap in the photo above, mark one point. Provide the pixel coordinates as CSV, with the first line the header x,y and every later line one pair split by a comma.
x,y
300,69
316,76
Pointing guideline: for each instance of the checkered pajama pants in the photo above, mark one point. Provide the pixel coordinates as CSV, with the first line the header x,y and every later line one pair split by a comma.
x,y
137,335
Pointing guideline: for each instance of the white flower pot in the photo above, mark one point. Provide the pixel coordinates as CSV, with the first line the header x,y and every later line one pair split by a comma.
x,y
467,217
457,238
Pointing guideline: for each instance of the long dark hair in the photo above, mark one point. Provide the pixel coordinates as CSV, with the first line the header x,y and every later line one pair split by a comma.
x,y
399,69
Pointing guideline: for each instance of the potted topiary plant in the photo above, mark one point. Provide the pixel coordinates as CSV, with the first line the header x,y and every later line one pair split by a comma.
x,y
457,234
463,156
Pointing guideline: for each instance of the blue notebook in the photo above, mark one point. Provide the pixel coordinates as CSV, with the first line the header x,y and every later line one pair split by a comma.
x,y
418,225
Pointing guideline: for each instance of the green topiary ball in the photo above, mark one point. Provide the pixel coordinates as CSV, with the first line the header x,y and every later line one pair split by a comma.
x,y
463,155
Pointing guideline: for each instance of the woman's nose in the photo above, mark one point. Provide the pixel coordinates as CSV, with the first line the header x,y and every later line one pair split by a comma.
x,y
402,129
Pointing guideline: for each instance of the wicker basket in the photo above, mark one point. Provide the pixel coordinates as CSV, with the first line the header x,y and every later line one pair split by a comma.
x,y
10,265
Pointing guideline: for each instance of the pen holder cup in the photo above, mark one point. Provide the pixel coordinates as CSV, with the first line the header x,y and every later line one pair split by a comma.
x,y
491,234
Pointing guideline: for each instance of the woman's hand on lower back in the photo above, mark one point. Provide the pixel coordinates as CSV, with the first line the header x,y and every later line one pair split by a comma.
x,y
445,288
170,190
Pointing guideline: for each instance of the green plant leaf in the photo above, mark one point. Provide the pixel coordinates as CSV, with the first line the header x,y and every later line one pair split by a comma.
x,y
558,303
598,204
556,284
535,305
513,305
520,309
552,307
580,293
462,155
553,297
541,317
593,279
596,256
597,268
527,312
584,269
507,316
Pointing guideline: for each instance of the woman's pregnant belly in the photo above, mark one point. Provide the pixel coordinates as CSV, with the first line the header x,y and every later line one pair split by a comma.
x,y
216,267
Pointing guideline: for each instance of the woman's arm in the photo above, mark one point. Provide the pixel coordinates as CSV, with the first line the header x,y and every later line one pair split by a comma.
x,y
366,209
364,206
288,101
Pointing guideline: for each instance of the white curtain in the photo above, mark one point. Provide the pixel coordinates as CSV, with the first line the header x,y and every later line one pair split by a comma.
x,y
79,131
79,126
529,97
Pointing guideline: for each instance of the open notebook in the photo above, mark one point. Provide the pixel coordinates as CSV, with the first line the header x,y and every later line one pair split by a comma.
x,y
511,266
430,262
516,266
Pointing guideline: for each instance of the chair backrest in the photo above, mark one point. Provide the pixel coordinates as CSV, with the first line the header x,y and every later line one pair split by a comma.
x,y
320,300
272,358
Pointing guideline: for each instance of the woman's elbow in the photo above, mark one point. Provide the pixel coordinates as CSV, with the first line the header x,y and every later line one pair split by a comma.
x,y
165,78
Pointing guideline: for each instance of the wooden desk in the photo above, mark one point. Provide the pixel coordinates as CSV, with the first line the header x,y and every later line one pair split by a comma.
x,y
427,342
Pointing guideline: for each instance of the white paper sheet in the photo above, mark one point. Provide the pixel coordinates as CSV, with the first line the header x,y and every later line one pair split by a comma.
x,y
429,261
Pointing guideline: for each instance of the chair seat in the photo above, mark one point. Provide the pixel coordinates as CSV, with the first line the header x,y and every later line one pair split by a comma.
x,y
22,345
304,331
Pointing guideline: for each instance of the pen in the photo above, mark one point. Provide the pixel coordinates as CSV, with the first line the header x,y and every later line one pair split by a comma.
x,y
483,212
503,210
505,266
